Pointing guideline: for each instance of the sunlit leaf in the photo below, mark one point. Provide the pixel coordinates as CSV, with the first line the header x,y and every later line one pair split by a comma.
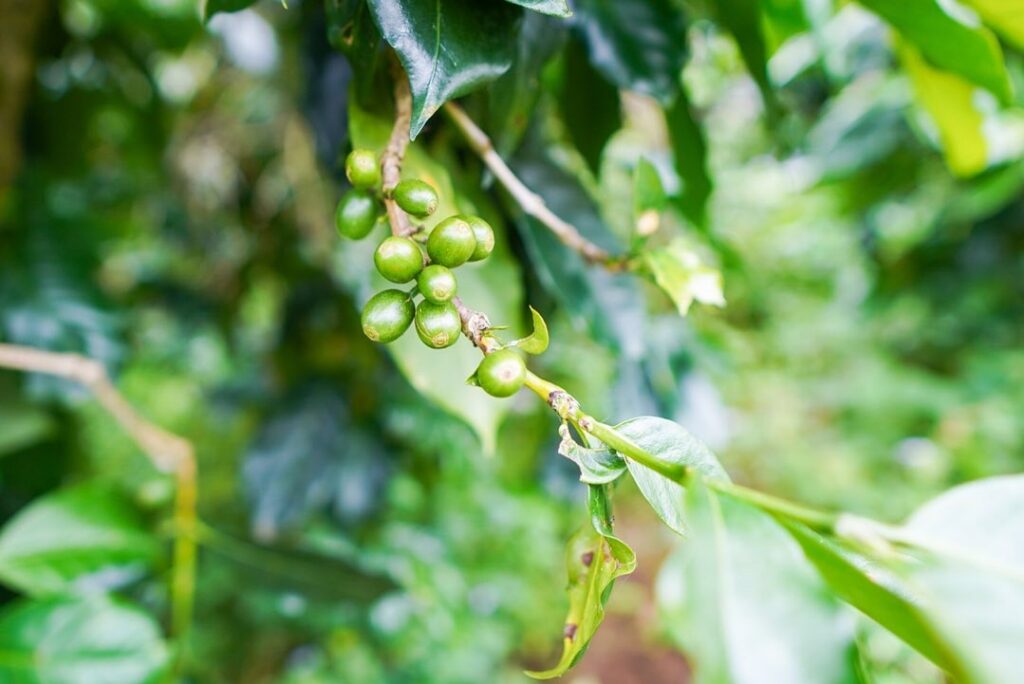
x,y
1006,17
648,199
680,273
742,601
73,641
74,539
558,8
935,27
673,444
952,104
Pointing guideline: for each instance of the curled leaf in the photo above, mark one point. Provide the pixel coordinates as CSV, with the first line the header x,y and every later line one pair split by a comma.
x,y
594,558
597,466
537,341
679,272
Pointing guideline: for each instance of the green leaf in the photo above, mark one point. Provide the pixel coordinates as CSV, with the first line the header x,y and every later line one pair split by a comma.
x,y
589,104
594,558
637,44
952,104
742,601
874,591
73,641
597,466
557,8
689,150
493,285
971,583
671,443
448,47
1006,17
61,541
648,199
350,29
537,341
22,425
207,8
680,273
949,42
743,20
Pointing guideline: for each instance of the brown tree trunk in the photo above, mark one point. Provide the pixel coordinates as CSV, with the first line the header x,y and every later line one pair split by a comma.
x,y
20,22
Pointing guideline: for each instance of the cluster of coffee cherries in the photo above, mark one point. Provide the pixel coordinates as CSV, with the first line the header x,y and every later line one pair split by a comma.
x,y
453,242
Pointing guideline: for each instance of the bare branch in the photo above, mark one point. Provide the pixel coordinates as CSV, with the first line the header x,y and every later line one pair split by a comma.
x,y
391,161
168,452
531,202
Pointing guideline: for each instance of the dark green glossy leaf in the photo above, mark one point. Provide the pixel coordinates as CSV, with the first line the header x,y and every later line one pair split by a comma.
x,y
350,29
537,341
75,538
744,604
589,105
74,641
594,558
448,47
743,20
514,96
558,8
671,443
976,55
637,44
690,153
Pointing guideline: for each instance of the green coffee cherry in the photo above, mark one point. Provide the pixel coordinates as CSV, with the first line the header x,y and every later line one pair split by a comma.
x,y
387,315
452,242
501,373
356,214
484,238
416,197
362,169
438,325
398,259
436,283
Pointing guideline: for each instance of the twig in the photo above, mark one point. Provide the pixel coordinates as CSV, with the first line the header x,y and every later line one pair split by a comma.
x,y
531,202
391,161
168,453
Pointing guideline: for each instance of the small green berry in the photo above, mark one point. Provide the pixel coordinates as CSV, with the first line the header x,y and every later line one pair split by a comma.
x,y
416,197
438,325
484,238
436,283
362,169
356,214
387,315
398,259
501,373
452,242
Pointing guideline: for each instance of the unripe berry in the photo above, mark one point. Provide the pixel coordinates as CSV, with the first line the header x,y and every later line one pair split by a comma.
x,y
356,214
452,242
416,197
398,259
362,169
438,325
484,238
387,315
501,373
436,283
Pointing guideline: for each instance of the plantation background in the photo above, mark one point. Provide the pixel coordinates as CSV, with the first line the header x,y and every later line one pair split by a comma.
x,y
166,207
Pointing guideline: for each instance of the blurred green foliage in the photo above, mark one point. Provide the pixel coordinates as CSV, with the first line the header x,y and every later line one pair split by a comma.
x,y
367,516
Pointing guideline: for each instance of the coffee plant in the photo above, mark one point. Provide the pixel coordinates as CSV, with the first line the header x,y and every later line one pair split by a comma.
x,y
556,197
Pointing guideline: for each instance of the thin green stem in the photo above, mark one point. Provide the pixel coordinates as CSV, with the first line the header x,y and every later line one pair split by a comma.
x,y
820,521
